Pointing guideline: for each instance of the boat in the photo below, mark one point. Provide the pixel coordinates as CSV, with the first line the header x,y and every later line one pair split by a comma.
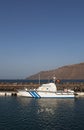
x,y
48,90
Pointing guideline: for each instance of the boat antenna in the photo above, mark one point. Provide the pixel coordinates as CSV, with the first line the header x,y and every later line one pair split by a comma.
x,y
54,79
39,79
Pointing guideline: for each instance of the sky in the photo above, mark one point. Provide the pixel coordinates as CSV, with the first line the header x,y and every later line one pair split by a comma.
x,y
39,35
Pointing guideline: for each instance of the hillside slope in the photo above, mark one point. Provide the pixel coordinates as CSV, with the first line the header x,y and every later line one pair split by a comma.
x,y
75,71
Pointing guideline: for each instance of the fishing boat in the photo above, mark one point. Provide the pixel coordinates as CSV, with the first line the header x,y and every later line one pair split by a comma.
x,y
48,90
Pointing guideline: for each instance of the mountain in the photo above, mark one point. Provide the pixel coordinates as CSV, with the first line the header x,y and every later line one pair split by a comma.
x,y
75,71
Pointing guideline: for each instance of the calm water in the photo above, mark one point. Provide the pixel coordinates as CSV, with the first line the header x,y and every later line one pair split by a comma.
x,y
35,81
18,113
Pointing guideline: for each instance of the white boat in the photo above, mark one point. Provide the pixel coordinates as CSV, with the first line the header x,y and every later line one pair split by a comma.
x,y
48,90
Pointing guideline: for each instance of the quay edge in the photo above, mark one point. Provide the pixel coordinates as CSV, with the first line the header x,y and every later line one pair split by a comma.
x,y
5,93
80,94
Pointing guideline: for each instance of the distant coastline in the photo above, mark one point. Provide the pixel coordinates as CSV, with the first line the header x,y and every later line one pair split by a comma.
x,y
68,72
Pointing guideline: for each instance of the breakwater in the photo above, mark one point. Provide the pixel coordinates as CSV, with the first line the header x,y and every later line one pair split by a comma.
x,y
14,85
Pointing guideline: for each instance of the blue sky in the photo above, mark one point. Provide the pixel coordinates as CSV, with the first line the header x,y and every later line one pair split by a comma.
x,y
37,35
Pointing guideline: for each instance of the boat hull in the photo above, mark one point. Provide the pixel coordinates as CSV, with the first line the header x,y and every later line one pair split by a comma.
x,y
35,94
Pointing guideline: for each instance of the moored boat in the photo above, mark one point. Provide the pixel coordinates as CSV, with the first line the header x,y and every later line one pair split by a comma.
x,y
48,90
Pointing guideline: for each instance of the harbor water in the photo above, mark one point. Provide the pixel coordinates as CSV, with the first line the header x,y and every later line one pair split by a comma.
x,y
19,113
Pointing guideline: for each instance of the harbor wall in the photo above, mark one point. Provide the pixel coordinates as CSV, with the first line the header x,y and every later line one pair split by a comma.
x,y
7,86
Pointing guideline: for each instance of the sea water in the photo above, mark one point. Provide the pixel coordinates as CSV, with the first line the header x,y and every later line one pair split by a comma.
x,y
36,81
19,113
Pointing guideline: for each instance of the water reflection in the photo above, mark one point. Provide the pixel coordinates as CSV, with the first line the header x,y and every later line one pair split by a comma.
x,y
41,114
49,106
24,101
45,107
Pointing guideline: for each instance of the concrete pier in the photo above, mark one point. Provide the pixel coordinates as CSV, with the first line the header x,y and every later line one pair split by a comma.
x,y
80,94
5,93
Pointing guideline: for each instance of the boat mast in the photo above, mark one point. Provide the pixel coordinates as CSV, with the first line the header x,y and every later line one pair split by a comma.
x,y
39,79
54,79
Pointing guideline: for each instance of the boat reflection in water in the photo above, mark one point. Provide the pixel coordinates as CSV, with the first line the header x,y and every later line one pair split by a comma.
x,y
46,113
24,102
49,106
